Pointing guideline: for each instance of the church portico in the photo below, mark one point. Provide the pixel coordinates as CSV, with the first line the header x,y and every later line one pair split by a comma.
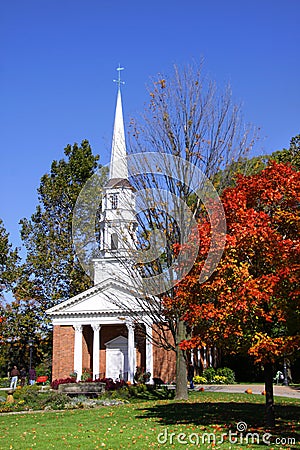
x,y
111,350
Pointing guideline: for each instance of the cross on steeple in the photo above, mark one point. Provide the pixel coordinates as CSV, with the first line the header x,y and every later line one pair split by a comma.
x,y
118,162
119,81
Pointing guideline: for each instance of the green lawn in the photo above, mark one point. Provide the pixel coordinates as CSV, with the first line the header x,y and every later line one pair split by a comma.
x,y
143,425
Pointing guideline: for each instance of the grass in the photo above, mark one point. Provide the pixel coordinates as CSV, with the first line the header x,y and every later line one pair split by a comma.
x,y
138,425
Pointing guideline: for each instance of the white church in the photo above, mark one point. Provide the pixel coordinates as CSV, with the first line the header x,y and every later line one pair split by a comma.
x,y
91,331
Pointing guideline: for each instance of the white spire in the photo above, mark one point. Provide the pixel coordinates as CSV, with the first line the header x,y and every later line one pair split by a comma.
x,y
118,163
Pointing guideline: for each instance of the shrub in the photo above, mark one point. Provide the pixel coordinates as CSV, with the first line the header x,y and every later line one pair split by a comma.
x,y
149,392
122,393
209,374
199,380
43,369
223,375
86,375
139,392
111,385
141,377
7,407
220,379
227,373
4,382
27,393
73,375
52,400
30,397
56,383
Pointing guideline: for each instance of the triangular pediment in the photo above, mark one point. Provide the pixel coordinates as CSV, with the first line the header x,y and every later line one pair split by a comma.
x,y
108,297
119,341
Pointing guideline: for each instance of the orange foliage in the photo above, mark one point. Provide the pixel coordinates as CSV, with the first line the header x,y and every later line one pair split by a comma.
x,y
251,302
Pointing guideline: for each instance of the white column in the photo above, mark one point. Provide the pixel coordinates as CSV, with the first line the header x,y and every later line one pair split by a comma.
x,y
192,356
131,352
198,357
204,358
78,351
149,351
210,357
96,347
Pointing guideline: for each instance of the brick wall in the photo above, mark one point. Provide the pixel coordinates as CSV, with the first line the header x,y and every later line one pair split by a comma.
x,y
164,361
164,364
63,351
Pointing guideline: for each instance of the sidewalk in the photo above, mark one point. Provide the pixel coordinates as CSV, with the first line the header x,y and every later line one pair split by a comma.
x,y
283,391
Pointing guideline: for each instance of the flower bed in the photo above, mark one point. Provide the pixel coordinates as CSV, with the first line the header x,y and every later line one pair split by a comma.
x,y
109,384
42,379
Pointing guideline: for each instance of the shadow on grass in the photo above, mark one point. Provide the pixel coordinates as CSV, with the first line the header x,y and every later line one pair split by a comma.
x,y
224,414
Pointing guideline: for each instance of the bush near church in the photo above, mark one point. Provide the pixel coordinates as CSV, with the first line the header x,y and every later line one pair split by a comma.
x,y
29,398
220,376
110,385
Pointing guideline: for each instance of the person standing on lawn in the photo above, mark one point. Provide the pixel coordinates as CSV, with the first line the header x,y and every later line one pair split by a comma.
x,y
23,376
32,376
190,374
14,377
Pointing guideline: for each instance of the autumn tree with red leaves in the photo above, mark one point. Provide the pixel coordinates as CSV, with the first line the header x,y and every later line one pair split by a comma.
x,y
251,302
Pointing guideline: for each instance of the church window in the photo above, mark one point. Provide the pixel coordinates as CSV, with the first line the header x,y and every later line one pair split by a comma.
x,y
114,201
114,241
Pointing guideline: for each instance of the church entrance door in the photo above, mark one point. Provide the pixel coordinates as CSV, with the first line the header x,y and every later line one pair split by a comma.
x,y
117,358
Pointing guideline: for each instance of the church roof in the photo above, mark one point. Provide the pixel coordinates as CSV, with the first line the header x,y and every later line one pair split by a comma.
x,y
119,183
118,163
107,298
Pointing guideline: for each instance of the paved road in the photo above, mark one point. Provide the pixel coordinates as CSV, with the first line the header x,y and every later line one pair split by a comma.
x,y
284,391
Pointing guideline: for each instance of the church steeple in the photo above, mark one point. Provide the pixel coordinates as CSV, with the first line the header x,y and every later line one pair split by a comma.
x,y
118,163
117,223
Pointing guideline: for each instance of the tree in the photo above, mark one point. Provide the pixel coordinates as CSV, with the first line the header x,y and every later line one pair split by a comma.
x,y
252,301
51,272
256,164
187,118
9,272
8,261
290,155
21,323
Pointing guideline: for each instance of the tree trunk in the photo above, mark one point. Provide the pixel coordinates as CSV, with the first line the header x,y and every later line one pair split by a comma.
x,y
181,376
270,415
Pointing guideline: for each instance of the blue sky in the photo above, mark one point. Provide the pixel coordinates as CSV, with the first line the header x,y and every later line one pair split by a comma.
x,y
58,60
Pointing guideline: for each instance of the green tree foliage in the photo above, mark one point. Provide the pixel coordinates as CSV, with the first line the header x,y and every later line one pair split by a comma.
x,y
9,271
290,155
8,260
256,164
51,272
21,322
